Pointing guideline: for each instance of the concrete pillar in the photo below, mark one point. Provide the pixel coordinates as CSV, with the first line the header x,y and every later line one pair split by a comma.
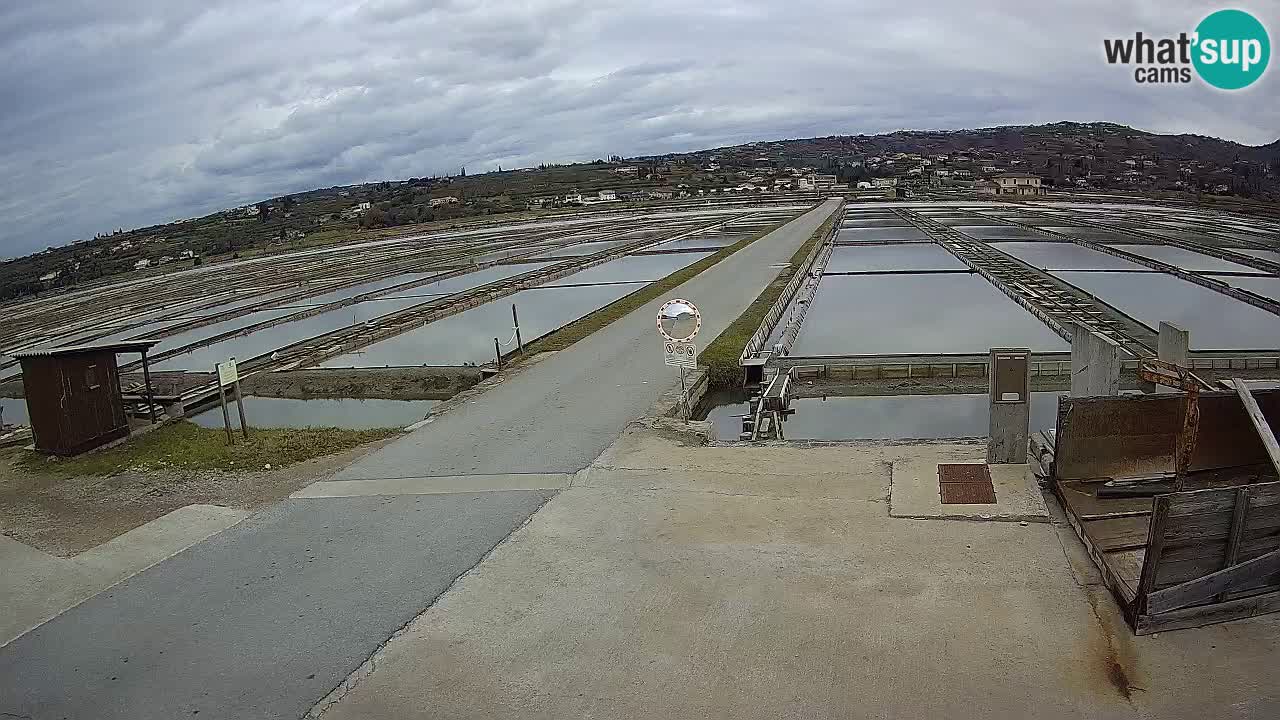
x,y
1010,402
1174,345
1095,364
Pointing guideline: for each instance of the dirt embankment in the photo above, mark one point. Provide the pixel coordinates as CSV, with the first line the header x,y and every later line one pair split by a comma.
x,y
426,383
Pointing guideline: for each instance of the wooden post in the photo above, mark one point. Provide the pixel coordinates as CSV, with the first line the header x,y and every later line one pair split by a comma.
x,y
497,353
226,416
1259,421
516,320
244,424
146,378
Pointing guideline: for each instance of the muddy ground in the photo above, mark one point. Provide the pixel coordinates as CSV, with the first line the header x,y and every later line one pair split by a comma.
x,y
425,383
412,383
67,515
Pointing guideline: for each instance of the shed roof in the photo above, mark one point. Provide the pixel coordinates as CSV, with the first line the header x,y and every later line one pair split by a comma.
x,y
119,347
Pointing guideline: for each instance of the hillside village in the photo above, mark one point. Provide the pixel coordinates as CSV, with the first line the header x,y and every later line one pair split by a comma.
x,y
1019,159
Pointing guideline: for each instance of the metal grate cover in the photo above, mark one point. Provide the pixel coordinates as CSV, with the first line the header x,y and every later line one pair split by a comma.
x,y
965,484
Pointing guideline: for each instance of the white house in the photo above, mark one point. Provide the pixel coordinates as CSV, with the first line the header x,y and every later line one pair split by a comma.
x,y
1019,184
446,200
142,264
607,196
864,185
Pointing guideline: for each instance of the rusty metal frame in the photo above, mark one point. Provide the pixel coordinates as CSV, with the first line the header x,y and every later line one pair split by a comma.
x,y
1167,374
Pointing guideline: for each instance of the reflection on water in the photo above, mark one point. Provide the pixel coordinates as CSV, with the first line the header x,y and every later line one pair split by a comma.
x,y
13,411
907,256
874,314
352,414
468,336
1216,322
1183,258
886,417
1064,256
865,234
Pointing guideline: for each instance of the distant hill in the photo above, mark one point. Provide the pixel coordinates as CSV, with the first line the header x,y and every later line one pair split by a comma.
x,y
1106,139
1105,154
1095,155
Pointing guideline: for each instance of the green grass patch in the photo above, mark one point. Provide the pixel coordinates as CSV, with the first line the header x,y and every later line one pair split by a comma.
x,y
722,354
187,446
573,332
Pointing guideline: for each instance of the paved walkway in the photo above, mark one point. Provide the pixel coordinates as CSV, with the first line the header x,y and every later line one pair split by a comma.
x,y
558,415
265,619
675,581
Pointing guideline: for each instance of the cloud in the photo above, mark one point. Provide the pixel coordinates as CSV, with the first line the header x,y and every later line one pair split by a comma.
x,y
131,113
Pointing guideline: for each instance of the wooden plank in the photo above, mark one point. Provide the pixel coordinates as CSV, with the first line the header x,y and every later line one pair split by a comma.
x,y
1123,533
1259,421
1155,546
1207,614
1238,520
1126,565
1206,587
1207,527
1079,497
1194,502
1122,592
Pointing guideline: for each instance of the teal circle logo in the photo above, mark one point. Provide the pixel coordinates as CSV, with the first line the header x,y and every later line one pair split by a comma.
x,y
1231,49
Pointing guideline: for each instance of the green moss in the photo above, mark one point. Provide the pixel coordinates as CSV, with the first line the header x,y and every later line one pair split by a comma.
x,y
721,356
184,445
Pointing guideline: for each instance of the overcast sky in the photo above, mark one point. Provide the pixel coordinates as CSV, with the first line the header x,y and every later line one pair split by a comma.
x,y
121,113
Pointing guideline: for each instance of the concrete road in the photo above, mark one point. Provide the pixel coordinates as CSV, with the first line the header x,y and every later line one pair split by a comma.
x,y
267,618
259,621
771,582
558,415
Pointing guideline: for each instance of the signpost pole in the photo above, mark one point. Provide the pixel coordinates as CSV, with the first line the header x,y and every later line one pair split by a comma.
x,y
684,395
244,424
226,416
516,321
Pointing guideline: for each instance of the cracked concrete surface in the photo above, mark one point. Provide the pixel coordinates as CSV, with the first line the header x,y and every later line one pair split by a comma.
x,y
673,580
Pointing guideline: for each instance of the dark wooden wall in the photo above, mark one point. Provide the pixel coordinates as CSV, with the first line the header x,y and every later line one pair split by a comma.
x,y
74,401
1131,435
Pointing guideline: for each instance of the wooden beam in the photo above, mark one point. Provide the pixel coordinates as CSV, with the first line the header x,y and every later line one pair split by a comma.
x,y
1259,422
1155,547
1203,588
1207,614
1238,519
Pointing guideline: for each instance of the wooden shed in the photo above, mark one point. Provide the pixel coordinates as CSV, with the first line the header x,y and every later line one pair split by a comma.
x,y
74,397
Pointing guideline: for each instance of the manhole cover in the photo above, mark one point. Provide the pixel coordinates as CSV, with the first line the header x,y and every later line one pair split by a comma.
x,y
964,473
965,484
967,494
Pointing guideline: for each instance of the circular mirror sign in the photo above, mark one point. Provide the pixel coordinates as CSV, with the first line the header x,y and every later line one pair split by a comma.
x,y
679,320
